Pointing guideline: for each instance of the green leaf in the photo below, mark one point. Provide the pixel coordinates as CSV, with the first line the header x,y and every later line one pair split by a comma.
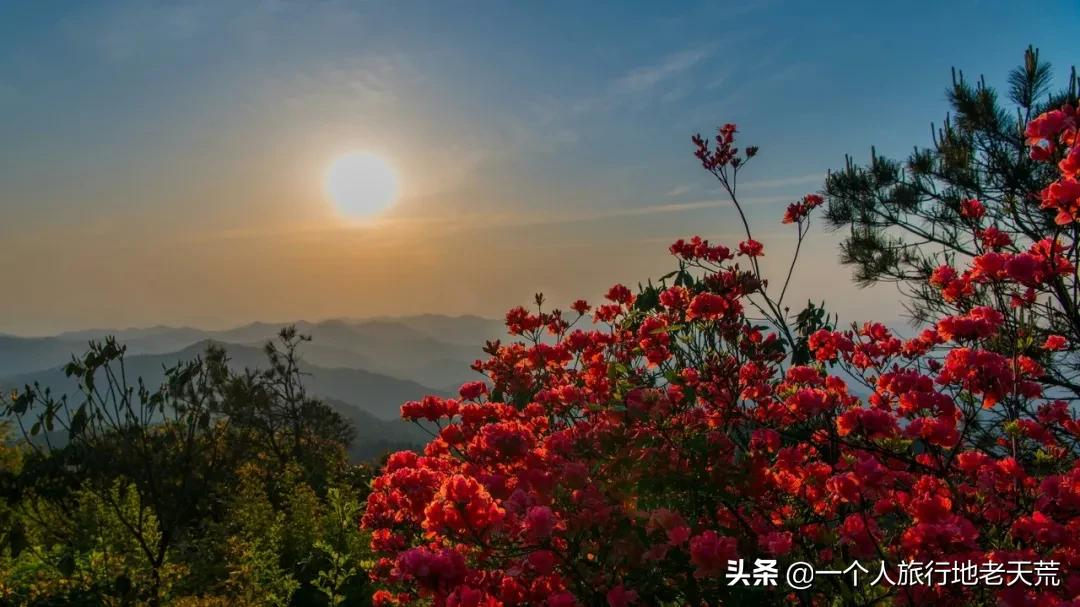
x,y
78,422
66,566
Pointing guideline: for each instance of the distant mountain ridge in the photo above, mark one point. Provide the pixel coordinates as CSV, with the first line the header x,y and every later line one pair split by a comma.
x,y
429,349
377,394
23,354
365,369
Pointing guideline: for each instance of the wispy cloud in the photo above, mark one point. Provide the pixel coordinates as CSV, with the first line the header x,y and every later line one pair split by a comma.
x,y
646,77
432,225
568,217
780,182
361,82
679,190
643,81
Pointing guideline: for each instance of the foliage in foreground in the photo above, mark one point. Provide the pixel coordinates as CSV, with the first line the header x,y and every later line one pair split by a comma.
x,y
628,462
216,488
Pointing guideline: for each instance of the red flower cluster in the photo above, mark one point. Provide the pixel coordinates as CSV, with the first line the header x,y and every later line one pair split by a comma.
x,y
972,209
751,248
696,248
626,463
797,212
431,408
1045,134
724,153
1020,274
981,322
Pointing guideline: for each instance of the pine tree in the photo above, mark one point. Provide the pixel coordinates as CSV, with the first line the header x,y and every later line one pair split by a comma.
x,y
903,218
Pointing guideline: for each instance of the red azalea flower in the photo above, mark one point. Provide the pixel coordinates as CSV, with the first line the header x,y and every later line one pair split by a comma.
x,y
1055,343
710,553
751,248
972,209
708,306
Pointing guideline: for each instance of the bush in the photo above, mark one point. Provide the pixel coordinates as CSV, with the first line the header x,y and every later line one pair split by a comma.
x,y
217,487
694,424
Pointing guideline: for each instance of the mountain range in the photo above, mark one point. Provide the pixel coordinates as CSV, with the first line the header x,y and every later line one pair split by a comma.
x,y
364,369
428,349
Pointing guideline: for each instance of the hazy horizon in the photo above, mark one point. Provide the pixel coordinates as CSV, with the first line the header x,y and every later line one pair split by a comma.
x,y
167,160
225,326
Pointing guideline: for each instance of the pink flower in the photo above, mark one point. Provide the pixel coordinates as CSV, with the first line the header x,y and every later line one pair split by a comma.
x,y
621,597
431,569
777,543
539,522
710,553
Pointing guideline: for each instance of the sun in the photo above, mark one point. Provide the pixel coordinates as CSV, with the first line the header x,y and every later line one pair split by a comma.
x,y
361,184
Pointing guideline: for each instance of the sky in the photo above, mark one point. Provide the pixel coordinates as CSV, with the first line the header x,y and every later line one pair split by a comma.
x,y
164,162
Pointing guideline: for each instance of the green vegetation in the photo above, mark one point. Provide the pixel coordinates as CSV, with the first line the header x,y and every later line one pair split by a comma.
x,y
216,487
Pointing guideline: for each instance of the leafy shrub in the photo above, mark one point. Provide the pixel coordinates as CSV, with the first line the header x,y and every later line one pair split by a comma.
x,y
217,487
629,462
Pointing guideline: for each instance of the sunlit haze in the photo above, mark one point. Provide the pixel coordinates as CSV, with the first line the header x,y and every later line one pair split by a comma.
x,y
361,184
211,163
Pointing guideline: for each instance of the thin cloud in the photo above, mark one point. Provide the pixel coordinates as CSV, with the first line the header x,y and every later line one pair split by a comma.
x,y
679,191
642,80
388,225
511,220
646,77
783,181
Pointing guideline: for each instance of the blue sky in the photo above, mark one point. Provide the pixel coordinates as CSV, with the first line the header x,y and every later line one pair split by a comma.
x,y
164,159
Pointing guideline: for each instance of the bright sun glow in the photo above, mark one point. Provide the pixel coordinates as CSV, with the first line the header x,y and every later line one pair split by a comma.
x,y
361,184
